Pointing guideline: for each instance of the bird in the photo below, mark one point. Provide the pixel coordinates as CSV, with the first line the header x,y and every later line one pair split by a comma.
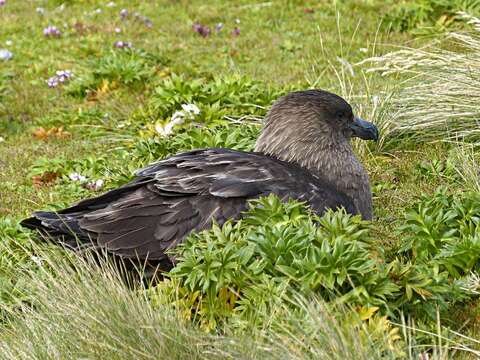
x,y
303,152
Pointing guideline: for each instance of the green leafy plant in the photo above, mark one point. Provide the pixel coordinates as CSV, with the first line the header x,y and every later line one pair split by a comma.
x,y
407,15
444,228
228,95
125,67
276,244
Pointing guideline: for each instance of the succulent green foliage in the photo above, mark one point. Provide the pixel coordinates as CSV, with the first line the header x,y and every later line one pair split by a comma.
x,y
241,137
443,230
282,248
408,15
231,95
117,67
278,244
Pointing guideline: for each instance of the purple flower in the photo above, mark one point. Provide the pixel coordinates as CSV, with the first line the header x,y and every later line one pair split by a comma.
x,y
122,44
3,2
77,177
219,27
95,185
123,13
236,31
5,54
61,77
146,21
64,75
200,29
52,82
51,31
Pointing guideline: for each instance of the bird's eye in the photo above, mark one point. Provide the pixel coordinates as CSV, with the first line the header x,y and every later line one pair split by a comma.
x,y
340,115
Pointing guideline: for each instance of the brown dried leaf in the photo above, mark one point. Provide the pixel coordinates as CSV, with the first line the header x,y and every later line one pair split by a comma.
x,y
45,179
52,133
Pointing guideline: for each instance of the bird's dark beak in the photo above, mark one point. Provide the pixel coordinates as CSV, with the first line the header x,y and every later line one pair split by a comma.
x,y
364,130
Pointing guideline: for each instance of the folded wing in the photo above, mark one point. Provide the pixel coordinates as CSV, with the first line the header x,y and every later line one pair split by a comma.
x,y
175,196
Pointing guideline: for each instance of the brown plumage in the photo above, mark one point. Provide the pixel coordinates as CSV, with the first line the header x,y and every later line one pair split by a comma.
x,y
303,152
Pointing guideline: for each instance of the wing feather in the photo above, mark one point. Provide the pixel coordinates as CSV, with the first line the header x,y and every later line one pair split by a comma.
x,y
185,193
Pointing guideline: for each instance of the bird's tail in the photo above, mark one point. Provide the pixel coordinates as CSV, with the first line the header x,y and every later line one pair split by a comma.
x,y
58,228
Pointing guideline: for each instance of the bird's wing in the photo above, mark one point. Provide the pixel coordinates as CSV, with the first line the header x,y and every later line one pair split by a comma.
x,y
186,192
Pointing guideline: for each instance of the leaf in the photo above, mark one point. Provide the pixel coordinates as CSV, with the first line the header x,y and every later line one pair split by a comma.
x,y
366,312
54,132
47,178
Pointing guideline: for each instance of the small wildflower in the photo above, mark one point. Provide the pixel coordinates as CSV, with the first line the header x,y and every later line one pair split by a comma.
x,y
52,82
2,2
61,77
97,11
51,31
200,29
178,117
111,4
37,260
77,177
363,50
237,21
188,113
236,31
191,108
2,139
5,54
66,74
123,13
95,185
9,42
118,30
122,44
148,23
40,10
219,27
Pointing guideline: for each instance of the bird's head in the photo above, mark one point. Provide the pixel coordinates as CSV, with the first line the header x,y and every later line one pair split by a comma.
x,y
309,121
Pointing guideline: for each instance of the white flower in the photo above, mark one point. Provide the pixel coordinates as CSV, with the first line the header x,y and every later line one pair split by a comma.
x,y
77,177
111,4
9,42
2,139
95,185
5,54
37,260
40,10
191,108
178,116
363,50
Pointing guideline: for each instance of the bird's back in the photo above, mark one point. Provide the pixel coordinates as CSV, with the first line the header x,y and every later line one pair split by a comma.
x,y
186,192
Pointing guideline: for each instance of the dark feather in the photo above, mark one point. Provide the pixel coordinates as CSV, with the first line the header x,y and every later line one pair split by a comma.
x,y
184,193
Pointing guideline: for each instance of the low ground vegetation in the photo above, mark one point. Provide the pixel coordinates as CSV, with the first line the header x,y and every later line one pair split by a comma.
x,y
80,111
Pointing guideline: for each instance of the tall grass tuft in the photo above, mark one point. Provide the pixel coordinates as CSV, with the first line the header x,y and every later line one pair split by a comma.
x,y
438,92
78,309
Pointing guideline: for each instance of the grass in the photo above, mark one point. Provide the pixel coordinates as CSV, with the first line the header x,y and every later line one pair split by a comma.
x,y
108,113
